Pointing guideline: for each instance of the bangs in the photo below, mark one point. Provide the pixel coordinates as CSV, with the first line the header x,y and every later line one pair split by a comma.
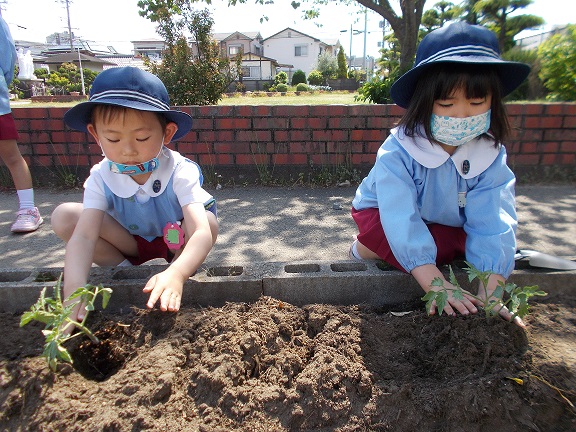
x,y
109,113
476,81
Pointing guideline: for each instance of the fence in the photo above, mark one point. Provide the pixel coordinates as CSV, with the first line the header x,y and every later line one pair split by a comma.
x,y
246,142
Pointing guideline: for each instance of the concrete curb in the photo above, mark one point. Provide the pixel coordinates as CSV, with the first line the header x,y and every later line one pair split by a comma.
x,y
297,283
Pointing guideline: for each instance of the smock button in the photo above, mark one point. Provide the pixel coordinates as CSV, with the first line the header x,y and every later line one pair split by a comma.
x,y
466,167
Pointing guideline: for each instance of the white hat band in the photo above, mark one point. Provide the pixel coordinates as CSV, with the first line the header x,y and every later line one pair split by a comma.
x,y
468,50
128,94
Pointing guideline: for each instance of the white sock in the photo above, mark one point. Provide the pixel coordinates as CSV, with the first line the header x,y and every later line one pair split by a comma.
x,y
125,263
26,198
354,251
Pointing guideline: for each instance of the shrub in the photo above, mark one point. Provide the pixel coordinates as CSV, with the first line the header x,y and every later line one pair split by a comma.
x,y
342,66
281,78
301,87
315,78
298,77
283,88
376,91
557,58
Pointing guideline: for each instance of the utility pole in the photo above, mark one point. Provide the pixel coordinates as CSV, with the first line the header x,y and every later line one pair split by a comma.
x,y
69,26
365,33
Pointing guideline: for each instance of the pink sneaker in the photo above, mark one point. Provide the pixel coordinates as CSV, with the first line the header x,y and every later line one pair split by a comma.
x,y
27,220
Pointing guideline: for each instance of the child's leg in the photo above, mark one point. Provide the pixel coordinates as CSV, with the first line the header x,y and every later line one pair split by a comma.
x,y
371,241
115,242
212,221
16,164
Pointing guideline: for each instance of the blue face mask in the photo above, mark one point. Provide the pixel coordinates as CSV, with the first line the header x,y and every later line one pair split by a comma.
x,y
141,168
136,169
455,131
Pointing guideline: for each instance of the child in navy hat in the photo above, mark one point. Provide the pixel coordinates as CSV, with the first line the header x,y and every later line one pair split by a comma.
x,y
143,200
440,188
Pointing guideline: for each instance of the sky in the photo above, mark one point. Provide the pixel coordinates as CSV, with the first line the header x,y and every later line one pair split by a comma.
x,y
116,22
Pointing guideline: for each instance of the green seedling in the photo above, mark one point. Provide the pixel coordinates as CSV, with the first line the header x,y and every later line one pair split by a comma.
x,y
510,295
55,313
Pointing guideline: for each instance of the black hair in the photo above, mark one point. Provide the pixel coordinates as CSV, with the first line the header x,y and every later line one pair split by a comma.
x,y
108,113
439,81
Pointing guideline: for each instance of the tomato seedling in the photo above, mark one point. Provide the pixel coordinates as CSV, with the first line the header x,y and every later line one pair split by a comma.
x,y
508,294
55,313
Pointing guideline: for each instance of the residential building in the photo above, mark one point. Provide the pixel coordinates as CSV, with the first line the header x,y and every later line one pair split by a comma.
x,y
297,49
232,44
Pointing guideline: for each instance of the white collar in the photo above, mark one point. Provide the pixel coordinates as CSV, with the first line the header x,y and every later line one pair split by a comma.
x,y
124,186
477,154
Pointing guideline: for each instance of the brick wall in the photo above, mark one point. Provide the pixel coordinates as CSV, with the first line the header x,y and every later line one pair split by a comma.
x,y
241,141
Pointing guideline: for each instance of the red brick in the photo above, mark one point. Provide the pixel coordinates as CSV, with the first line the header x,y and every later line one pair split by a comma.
x,y
225,135
528,147
300,135
568,159
554,109
531,159
549,159
254,135
270,123
568,147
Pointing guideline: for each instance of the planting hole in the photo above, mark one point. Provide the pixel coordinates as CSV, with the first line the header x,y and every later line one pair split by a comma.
x,y
99,361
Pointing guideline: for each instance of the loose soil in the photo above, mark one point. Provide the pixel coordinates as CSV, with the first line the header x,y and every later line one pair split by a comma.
x,y
271,366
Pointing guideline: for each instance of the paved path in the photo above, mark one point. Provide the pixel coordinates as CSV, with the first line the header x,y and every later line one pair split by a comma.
x,y
267,224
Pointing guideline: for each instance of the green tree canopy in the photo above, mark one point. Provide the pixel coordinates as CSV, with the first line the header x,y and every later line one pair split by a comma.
x,y
558,65
192,77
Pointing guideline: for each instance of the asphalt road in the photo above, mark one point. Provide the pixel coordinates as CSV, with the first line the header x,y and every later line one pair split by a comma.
x,y
279,224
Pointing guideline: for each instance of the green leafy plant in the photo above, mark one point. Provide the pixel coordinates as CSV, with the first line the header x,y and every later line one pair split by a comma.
x,y
510,295
55,313
299,77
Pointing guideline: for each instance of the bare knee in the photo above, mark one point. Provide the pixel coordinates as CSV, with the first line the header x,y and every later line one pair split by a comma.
x,y
213,221
65,218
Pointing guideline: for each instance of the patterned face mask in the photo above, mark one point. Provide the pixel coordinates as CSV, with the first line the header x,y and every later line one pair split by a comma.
x,y
136,169
455,131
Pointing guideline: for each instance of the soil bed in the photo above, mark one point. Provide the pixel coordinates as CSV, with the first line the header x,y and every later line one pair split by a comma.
x,y
271,366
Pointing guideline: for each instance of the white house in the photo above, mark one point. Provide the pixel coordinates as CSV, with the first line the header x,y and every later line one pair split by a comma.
x,y
297,49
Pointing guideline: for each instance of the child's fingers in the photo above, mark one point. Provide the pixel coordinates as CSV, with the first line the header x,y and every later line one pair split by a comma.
x,y
507,315
464,306
154,291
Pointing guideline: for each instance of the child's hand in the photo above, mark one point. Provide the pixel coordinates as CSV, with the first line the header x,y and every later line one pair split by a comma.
x,y
166,286
504,312
466,306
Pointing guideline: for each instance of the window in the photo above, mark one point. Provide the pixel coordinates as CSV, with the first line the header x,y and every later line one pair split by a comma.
x,y
300,50
234,49
251,71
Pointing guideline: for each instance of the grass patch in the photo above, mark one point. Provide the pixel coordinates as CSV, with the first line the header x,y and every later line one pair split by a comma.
x,y
257,98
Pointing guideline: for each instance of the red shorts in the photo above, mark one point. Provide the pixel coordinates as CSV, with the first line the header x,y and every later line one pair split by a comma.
x,y
157,248
8,127
450,241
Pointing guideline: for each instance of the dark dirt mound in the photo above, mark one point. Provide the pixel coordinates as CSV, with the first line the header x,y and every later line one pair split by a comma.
x,y
271,366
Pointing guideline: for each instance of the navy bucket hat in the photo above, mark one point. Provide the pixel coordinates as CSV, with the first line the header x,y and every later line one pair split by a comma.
x,y
459,43
128,87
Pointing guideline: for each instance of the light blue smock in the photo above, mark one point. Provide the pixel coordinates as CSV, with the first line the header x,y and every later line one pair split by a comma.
x,y
414,183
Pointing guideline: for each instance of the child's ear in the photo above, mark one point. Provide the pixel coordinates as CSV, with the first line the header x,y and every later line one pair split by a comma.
x,y
169,131
92,131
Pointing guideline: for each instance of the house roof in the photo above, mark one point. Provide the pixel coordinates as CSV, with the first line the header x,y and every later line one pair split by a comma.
x,y
73,58
315,39
248,35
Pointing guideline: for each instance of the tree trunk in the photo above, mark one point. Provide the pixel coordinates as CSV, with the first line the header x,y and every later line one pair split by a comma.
x,y
405,27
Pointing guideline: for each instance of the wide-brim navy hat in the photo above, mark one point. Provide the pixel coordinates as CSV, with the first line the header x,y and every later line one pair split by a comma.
x,y
459,43
128,87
